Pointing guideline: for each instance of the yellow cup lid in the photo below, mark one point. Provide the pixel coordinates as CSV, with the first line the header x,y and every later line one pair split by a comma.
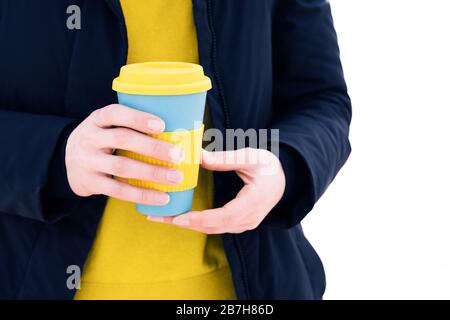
x,y
162,78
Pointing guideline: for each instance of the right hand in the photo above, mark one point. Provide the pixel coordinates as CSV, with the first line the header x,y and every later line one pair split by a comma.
x,y
91,164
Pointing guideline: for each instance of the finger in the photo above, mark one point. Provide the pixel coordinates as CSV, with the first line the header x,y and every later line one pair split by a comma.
x,y
244,228
123,191
129,168
229,216
219,230
166,220
122,116
127,139
169,220
230,160
205,230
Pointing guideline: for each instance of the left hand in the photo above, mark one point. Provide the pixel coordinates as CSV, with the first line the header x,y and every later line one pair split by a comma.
x,y
264,186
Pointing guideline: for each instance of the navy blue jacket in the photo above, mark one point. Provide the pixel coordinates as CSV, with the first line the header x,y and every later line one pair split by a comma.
x,y
273,63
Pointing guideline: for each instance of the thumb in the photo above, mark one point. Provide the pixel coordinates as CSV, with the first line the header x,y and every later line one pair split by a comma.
x,y
233,160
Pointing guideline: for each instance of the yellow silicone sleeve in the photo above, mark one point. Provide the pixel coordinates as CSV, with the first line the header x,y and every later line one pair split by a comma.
x,y
190,142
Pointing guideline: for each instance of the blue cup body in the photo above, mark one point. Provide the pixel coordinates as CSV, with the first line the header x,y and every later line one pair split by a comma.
x,y
179,112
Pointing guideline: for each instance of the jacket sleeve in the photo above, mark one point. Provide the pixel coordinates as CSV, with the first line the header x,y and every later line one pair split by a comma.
x,y
33,180
311,106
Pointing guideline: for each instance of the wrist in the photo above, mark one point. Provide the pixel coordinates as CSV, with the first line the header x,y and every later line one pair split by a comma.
x,y
57,184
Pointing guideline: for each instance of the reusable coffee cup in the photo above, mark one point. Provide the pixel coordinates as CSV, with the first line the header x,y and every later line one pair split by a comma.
x,y
175,92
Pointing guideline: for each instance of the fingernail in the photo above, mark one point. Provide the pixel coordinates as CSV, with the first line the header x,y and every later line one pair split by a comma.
x,y
162,198
176,154
181,221
174,176
155,219
207,156
156,125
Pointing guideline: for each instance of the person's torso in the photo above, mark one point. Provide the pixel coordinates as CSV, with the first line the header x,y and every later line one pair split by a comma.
x,y
46,68
133,258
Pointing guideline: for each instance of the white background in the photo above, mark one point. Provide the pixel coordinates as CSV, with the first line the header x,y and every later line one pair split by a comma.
x,y
383,227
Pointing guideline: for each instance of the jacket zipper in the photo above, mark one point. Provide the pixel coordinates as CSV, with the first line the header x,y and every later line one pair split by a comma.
x,y
224,105
215,68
